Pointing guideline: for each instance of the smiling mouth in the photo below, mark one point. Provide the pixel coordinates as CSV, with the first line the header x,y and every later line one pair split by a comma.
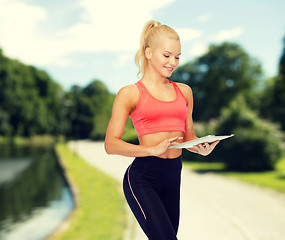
x,y
170,68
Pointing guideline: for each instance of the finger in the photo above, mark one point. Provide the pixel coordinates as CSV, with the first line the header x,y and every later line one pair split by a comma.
x,y
214,144
175,139
194,150
174,143
206,145
200,145
172,139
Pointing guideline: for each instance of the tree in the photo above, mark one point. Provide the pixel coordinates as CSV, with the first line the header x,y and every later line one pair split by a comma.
x,y
80,114
102,102
90,110
30,101
273,98
282,61
219,76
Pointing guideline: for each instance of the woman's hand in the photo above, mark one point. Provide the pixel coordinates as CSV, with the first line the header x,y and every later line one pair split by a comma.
x,y
162,147
203,149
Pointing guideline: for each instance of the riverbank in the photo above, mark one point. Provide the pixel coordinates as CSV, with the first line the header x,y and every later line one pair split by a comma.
x,y
33,140
100,210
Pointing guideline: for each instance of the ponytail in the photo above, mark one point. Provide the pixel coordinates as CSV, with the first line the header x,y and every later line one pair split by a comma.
x,y
140,58
151,31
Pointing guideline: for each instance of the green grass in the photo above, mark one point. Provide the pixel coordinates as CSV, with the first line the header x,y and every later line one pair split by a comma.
x,y
271,179
33,140
100,212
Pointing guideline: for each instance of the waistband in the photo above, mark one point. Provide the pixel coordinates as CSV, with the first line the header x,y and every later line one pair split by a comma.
x,y
154,158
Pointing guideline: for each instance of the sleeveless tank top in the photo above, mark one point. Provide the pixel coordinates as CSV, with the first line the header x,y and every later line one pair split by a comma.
x,y
152,115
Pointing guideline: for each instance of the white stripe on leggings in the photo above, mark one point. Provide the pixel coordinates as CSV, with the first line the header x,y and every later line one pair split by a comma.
x,y
133,192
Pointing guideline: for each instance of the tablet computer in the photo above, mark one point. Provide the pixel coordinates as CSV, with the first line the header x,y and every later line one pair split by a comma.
x,y
208,139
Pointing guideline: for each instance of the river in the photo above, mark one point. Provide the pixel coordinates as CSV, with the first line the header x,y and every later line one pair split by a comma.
x,y
34,196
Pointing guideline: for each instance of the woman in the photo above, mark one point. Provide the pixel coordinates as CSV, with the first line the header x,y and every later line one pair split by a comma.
x,y
161,112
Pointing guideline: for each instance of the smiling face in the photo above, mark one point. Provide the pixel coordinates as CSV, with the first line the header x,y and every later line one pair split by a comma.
x,y
164,57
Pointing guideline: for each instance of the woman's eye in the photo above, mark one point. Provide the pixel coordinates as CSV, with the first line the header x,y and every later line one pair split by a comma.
x,y
166,56
177,58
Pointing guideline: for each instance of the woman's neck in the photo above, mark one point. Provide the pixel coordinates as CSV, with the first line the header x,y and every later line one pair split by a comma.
x,y
153,78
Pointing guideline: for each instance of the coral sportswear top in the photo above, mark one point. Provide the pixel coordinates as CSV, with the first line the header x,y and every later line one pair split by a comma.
x,y
152,115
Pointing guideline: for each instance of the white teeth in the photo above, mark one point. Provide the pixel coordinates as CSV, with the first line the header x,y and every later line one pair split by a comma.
x,y
169,68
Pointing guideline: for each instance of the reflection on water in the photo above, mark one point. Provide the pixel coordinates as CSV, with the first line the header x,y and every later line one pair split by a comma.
x,y
34,197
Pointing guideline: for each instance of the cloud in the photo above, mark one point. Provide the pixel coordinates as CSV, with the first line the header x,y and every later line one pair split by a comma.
x,y
108,25
186,34
22,36
18,23
112,25
203,18
124,59
198,49
225,35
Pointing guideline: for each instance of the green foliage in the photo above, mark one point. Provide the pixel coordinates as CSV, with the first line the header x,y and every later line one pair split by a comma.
x,y
257,144
219,76
30,101
282,61
89,110
273,98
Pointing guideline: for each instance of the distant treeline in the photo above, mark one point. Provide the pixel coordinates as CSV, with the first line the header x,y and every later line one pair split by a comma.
x,y
227,72
32,103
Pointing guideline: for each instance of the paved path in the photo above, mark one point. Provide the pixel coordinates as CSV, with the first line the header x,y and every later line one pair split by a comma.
x,y
212,207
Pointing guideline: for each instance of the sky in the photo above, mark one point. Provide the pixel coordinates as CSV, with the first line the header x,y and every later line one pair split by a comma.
x,y
77,41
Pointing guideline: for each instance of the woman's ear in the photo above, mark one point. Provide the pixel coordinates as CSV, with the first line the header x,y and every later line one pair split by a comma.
x,y
148,53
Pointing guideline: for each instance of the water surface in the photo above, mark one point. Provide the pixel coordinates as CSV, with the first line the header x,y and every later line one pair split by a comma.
x,y
34,197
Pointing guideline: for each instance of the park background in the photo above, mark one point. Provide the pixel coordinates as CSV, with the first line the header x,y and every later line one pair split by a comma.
x,y
61,64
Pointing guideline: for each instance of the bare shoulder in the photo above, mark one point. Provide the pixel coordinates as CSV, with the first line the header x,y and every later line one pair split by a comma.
x,y
128,93
129,90
128,96
186,90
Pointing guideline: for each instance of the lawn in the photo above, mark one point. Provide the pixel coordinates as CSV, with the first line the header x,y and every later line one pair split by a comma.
x,y
100,211
272,179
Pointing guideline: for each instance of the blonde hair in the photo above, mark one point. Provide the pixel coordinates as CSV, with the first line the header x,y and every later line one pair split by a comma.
x,y
151,32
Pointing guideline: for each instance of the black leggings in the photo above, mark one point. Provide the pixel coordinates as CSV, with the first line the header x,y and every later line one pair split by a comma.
x,y
152,189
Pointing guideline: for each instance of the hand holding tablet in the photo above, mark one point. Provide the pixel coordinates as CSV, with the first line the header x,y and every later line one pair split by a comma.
x,y
208,139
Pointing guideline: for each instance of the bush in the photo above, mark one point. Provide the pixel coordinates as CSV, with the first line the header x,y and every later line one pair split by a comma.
x,y
257,144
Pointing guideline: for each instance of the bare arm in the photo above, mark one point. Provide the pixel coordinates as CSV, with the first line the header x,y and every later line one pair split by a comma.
x,y
124,102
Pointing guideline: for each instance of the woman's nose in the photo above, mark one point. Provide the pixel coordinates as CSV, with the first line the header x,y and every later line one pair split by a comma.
x,y
172,60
